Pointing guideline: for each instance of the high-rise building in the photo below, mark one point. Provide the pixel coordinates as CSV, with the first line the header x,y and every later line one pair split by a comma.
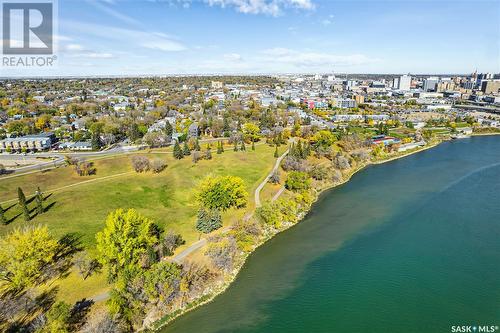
x,y
402,83
430,84
490,87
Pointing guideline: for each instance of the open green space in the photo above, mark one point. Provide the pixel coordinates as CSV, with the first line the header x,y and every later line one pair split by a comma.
x,y
168,198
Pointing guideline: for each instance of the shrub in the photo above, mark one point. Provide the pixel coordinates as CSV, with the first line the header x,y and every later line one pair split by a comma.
x,y
140,163
336,176
208,220
298,180
269,214
294,164
318,172
341,162
158,165
84,168
275,177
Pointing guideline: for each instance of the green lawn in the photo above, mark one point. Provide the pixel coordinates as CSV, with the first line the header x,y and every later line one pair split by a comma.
x,y
168,198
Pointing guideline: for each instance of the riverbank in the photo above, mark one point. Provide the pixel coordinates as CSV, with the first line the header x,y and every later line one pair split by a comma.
x,y
221,287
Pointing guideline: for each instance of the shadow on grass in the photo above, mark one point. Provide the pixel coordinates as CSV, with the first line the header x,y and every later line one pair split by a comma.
x,y
7,208
22,311
13,219
49,206
79,313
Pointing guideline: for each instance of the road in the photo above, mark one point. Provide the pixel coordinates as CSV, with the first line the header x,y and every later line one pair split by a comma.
x,y
58,158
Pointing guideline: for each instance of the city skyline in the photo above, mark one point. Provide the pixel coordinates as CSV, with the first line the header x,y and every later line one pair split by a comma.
x,y
182,37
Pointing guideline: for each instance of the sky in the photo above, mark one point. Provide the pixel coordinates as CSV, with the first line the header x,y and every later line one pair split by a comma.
x,y
161,37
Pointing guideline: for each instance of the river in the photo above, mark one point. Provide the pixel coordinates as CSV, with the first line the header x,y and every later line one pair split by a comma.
x,y
412,245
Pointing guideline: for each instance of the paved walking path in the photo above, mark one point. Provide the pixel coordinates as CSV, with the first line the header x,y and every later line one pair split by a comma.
x,y
181,256
261,185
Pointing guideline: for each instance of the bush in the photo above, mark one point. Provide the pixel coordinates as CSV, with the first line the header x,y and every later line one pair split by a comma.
x,y
208,220
336,176
84,168
140,163
318,172
298,180
158,165
269,214
341,162
275,177
294,164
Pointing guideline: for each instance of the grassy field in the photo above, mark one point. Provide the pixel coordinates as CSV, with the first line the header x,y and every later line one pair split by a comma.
x,y
168,198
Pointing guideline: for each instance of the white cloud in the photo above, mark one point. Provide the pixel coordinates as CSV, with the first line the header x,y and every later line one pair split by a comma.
x,y
267,7
233,57
129,37
313,59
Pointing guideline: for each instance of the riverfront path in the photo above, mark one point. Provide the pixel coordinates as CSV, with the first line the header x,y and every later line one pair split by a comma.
x,y
181,256
261,185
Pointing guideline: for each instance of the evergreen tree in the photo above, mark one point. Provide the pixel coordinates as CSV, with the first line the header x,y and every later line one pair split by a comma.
x,y
169,130
208,220
307,150
22,203
291,150
3,219
235,145
243,147
39,201
276,154
96,140
197,145
177,151
300,151
185,150
219,147
208,154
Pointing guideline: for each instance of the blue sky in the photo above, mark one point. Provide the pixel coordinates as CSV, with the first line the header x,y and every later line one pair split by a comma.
x,y
126,37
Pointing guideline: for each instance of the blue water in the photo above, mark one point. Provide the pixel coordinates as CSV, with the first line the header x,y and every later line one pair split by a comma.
x,y
412,245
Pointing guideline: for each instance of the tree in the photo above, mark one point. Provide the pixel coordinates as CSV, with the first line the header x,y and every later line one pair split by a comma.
x,y
235,145
3,219
298,180
323,139
251,132
140,163
170,241
39,201
58,318
158,165
197,145
208,220
208,154
253,145
23,204
243,147
185,150
126,239
275,177
222,193
276,154
219,147
25,256
169,130
96,140
178,154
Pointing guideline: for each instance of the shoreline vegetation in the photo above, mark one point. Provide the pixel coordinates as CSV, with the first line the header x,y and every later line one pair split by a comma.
x,y
230,277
